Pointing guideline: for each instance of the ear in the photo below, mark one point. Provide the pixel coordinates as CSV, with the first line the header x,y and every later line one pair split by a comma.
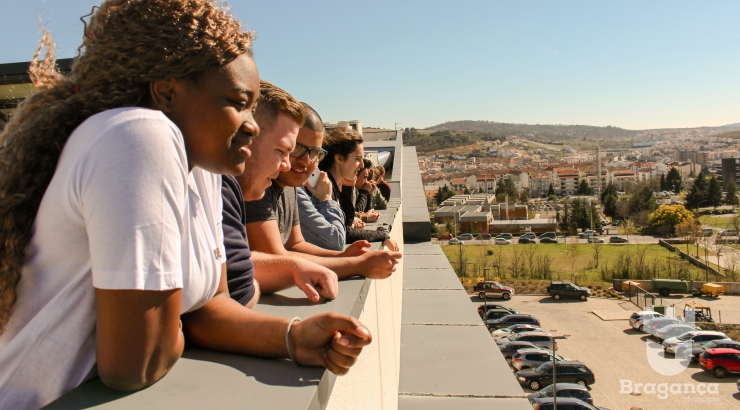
x,y
162,94
338,159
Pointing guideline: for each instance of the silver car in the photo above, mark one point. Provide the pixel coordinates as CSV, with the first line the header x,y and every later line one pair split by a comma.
x,y
540,339
513,329
533,358
638,319
677,329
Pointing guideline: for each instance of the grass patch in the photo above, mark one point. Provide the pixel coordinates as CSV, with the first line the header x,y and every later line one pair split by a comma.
x,y
477,258
722,222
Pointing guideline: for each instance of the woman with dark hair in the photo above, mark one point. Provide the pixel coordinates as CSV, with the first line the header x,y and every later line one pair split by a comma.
x,y
343,160
112,250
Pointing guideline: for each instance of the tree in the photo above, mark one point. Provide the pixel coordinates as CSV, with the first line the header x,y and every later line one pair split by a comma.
x,y
663,185
443,194
670,216
505,187
564,218
673,180
524,197
609,200
551,191
687,231
731,194
697,195
643,200
714,192
466,191
584,189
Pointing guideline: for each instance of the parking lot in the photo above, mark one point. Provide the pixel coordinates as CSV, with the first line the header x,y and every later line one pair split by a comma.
x,y
618,355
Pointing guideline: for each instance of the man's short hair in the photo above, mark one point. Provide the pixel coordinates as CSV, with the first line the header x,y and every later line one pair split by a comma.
x,y
313,120
272,101
366,163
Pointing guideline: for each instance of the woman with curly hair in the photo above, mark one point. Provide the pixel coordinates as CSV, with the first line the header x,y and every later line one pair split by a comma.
x,y
110,209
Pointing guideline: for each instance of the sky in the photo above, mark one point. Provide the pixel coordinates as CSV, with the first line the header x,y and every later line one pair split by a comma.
x,y
630,64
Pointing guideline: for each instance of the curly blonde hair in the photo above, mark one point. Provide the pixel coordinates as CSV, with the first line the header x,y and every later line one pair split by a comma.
x,y
127,44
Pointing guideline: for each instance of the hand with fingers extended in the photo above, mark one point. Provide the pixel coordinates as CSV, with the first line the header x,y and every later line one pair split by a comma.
x,y
378,264
315,280
329,340
356,249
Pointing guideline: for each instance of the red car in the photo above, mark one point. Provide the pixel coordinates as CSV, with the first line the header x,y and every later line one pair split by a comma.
x,y
493,289
720,361
445,236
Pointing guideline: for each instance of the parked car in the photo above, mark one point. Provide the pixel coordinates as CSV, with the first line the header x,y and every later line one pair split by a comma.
x,y
493,289
509,320
507,236
465,237
651,326
595,239
720,361
684,343
512,330
637,319
548,403
455,241
526,240
714,344
496,314
618,239
547,239
502,241
548,235
585,234
530,235
540,339
533,358
445,236
616,222
571,390
485,236
488,306
558,289
728,232
509,349
667,332
567,372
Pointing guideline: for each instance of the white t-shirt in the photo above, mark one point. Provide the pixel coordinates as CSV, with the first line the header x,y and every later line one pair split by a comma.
x,y
121,212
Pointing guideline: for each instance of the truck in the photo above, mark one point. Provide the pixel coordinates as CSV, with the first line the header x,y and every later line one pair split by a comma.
x,y
667,286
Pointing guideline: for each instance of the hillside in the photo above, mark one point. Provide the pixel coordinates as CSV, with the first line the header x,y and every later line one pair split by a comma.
x,y
539,130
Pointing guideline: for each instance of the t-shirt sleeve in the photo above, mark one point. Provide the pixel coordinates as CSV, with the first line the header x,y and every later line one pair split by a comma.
x,y
239,265
262,209
131,190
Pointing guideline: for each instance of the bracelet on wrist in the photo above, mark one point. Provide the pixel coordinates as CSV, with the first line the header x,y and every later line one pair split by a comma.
x,y
287,339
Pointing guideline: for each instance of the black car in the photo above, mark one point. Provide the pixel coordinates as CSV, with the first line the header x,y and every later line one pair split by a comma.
x,y
510,348
713,344
571,390
482,307
497,313
547,239
547,403
558,289
566,372
514,319
617,239
548,235
526,240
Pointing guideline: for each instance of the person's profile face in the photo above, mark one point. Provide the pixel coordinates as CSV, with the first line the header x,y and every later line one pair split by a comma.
x,y
214,114
349,167
302,167
361,178
270,153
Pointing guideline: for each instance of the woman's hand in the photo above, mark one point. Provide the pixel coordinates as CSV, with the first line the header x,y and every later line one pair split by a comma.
x,y
329,340
358,223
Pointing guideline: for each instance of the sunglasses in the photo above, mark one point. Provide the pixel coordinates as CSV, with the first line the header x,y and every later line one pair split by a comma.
x,y
314,154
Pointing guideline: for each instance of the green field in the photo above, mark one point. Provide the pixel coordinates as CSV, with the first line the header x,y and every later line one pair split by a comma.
x,y
656,259
723,222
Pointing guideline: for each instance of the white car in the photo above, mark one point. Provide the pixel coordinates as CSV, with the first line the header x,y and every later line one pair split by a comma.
x,y
638,319
455,241
513,329
502,241
690,340
595,239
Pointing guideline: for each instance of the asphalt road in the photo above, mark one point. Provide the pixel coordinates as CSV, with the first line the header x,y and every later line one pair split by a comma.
x,y
618,356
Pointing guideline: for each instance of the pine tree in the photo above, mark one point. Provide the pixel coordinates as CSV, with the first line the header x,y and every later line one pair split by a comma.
x,y
663,185
673,180
583,188
714,192
731,194
609,199
697,194
551,191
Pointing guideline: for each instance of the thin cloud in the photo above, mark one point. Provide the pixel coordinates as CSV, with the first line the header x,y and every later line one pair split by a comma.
x,y
724,32
545,48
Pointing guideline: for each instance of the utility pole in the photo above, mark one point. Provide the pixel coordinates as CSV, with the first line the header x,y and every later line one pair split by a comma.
x,y
598,170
